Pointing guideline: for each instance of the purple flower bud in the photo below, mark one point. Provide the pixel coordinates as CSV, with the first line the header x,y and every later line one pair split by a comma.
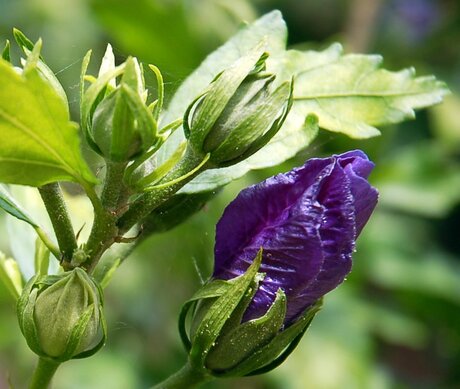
x,y
306,221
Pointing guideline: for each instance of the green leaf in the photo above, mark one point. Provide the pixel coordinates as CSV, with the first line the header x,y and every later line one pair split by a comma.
x,y
39,142
9,204
340,93
352,94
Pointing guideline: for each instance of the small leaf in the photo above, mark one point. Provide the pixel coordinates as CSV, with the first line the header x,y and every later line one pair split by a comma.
x,y
9,204
39,142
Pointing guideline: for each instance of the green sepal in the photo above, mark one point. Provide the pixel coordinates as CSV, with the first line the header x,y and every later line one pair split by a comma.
x,y
211,290
210,327
98,346
144,181
275,353
147,125
92,96
77,332
88,137
6,51
158,104
11,276
23,42
80,327
245,339
25,307
42,258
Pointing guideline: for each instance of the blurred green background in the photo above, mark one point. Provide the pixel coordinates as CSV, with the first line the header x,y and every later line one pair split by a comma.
x,y
395,322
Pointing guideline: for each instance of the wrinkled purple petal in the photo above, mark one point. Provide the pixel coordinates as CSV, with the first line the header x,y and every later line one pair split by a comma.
x,y
306,221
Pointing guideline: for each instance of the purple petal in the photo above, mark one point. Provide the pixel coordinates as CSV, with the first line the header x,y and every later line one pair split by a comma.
x,y
307,221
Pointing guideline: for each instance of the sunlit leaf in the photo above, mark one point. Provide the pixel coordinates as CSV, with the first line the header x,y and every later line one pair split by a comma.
x,y
39,143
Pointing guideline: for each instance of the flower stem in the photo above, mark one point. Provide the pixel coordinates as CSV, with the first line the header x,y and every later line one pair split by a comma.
x,y
57,211
185,378
43,373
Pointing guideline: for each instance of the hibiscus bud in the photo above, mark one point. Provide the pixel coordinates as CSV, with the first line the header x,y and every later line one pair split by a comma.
x,y
281,245
61,316
238,113
117,122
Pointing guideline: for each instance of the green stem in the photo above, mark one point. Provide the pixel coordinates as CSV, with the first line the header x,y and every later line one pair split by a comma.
x,y
113,185
43,373
185,378
147,202
57,211
104,230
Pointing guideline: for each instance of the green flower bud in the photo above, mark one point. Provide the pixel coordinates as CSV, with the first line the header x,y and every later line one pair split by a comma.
x,y
239,112
61,316
117,122
222,344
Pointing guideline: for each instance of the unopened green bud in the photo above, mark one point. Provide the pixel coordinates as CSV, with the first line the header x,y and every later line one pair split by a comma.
x,y
239,112
61,316
117,122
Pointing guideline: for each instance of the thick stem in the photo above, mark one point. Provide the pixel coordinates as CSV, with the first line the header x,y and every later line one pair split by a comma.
x,y
43,373
57,211
147,202
185,378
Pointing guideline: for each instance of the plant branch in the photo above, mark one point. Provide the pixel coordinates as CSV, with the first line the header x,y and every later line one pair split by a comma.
x,y
113,185
104,230
59,216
